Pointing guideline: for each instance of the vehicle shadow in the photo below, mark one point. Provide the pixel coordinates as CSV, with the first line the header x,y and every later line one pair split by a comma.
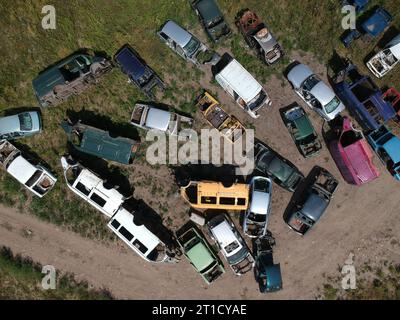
x,y
31,155
147,216
226,174
391,32
103,122
113,175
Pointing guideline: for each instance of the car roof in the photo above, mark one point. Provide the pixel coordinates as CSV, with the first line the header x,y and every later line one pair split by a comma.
x,y
130,62
240,80
200,256
141,233
260,202
208,9
176,33
323,93
209,188
392,147
224,235
314,206
21,169
9,124
304,127
298,74
158,119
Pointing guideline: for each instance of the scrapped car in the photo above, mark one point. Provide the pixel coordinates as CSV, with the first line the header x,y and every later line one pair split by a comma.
x,y
231,244
99,143
214,195
280,170
387,147
241,85
147,117
392,96
20,125
259,37
35,178
91,188
200,255
267,273
73,75
137,70
228,125
318,95
386,59
185,44
212,19
308,209
352,155
139,237
302,131
363,98
256,217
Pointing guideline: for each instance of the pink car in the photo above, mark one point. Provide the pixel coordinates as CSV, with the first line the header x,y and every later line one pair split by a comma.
x,y
353,155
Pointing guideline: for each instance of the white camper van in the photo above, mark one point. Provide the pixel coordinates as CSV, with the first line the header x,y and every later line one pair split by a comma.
x,y
241,85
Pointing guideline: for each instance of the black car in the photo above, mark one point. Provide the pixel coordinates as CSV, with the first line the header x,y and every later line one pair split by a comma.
x,y
212,19
137,70
278,168
307,208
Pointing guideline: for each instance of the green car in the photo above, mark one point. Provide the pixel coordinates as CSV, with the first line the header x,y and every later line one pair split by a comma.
x,y
302,131
70,76
200,255
99,143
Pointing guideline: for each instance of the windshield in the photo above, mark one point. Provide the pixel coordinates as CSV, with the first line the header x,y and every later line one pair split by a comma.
x,y
257,217
25,121
331,106
232,247
191,47
389,59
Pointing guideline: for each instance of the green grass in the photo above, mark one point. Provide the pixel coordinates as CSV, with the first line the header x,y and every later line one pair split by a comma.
x,y
101,25
20,278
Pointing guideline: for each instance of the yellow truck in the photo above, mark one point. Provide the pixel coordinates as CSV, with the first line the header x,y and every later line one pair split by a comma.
x,y
229,127
214,195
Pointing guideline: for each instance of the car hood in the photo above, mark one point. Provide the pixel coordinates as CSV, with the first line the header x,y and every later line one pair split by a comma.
x,y
298,74
208,10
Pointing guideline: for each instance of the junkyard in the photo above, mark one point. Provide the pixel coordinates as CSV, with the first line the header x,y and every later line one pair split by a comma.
x,y
327,159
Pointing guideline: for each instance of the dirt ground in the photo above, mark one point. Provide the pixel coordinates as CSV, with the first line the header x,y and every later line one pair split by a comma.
x,y
363,221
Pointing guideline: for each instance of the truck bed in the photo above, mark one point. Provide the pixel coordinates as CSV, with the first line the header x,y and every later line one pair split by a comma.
x,y
137,113
6,150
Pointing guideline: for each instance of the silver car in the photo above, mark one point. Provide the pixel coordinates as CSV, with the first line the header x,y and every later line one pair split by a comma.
x,y
256,217
318,95
181,41
20,125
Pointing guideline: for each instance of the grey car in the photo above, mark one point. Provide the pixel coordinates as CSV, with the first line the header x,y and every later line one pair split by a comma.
x,y
20,125
318,95
181,41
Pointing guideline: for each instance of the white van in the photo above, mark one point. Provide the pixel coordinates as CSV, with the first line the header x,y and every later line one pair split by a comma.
x,y
241,85
91,188
137,236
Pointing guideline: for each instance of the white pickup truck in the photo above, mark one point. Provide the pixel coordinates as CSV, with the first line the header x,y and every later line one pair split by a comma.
x,y
150,118
35,178
385,60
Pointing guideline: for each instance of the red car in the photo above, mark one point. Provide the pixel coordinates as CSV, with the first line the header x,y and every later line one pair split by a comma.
x,y
393,97
352,155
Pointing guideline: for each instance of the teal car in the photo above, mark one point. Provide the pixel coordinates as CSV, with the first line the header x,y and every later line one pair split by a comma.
x,y
302,131
99,143
201,257
70,76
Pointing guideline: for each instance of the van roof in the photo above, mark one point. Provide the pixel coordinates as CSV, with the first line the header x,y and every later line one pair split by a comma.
x,y
21,169
209,188
112,196
240,80
141,233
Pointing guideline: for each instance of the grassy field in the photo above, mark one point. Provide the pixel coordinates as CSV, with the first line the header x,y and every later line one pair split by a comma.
x,y
20,278
100,25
